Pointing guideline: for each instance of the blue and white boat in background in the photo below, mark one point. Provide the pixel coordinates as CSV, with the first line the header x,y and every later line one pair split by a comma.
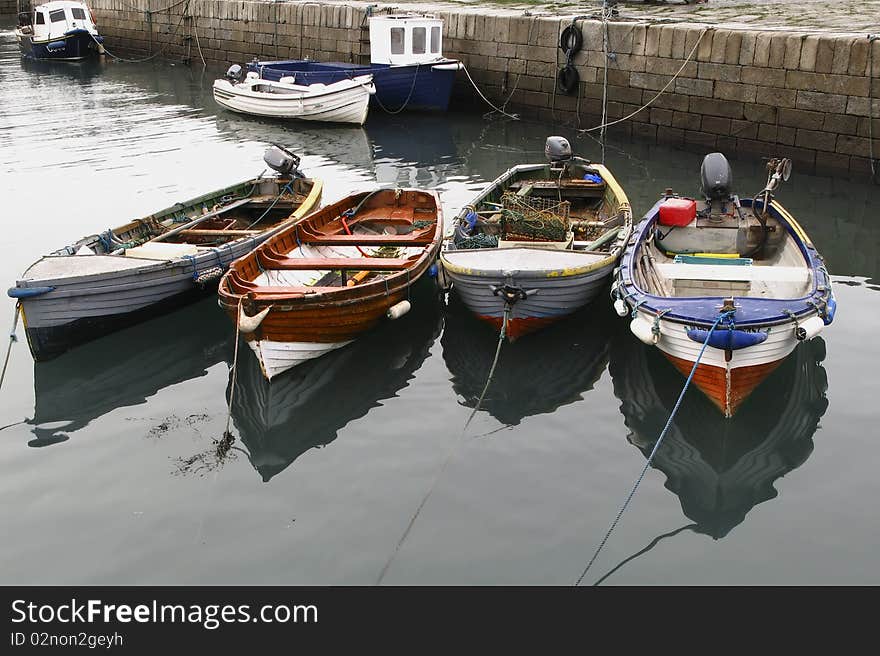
x,y
406,62
59,30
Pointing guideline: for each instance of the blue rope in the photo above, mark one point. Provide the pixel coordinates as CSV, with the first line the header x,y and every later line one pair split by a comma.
x,y
721,317
195,273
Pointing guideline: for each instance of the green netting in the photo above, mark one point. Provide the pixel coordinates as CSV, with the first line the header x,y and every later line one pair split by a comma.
x,y
527,218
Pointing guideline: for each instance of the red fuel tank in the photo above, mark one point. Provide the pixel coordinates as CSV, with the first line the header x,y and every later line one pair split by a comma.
x,y
677,212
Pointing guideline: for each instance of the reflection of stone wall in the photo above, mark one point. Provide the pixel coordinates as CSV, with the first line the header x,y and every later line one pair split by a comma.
x,y
793,94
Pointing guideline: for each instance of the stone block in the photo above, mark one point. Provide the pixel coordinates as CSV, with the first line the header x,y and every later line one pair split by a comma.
x,y
725,72
652,40
798,118
625,94
760,113
732,91
762,49
715,125
704,50
821,102
793,46
733,48
853,145
719,46
620,38
743,129
691,87
667,100
664,49
860,107
858,57
809,53
841,124
645,131
777,97
661,116
648,80
816,139
766,77
640,36
712,107
849,85
777,51
747,49
875,132
670,67
824,55
703,139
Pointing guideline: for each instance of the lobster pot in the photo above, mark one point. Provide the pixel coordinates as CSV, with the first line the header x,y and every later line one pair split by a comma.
x,y
534,218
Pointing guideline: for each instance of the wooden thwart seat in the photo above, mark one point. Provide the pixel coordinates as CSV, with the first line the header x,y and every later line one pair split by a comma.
x,y
333,263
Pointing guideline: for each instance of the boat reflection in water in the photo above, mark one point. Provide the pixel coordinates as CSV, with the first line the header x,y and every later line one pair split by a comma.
x,y
721,468
126,368
305,407
536,374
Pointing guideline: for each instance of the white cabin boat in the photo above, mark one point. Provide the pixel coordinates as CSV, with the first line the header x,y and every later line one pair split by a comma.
x,y
60,30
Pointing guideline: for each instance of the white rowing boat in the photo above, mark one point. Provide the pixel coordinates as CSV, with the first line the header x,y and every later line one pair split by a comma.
x,y
345,101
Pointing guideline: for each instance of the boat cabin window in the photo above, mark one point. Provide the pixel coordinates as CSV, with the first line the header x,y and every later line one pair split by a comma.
x,y
418,40
56,16
40,18
435,40
78,13
396,40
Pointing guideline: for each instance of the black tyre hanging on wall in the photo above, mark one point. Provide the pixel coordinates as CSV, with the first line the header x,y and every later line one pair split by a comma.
x,y
571,40
568,79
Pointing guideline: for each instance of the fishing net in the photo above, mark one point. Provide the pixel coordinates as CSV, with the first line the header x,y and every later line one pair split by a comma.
x,y
530,218
477,241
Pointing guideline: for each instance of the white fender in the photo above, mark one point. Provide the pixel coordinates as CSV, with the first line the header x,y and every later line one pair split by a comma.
x,y
642,328
248,324
809,328
398,310
621,307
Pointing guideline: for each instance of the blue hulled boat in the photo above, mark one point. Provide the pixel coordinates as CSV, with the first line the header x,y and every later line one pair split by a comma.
x,y
406,62
58,30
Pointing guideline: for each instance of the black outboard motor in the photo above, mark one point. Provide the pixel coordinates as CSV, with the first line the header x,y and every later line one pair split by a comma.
x,y
233,73
282,160
716,177
557,149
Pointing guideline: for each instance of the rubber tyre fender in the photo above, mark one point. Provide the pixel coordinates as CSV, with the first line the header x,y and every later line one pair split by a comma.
x,y
568,79
571,40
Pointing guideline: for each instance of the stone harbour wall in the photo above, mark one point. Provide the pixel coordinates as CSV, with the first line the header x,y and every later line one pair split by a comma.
x,y
798,94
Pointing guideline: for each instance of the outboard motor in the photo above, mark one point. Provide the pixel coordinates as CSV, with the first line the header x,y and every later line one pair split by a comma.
x,y
282,160
233,73
557,149
716,177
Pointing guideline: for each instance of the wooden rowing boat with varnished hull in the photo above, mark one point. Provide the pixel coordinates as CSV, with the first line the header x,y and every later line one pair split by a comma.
x,y
320,284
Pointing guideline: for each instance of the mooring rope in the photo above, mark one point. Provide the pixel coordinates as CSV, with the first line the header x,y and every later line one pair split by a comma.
x,y
515,117
501,337
448,457
871,39
644,550
657,95
405,102
12,340
226,433
721,317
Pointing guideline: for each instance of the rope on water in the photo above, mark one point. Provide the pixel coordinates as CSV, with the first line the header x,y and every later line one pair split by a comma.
x,y
721,317
446,460
12,340
501,337
226,433
657,95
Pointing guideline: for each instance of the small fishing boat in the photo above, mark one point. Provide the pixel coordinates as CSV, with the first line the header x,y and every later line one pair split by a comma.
x,y
744,266
59,30
721,468
538,243
318,285
106,281
344,101
406,62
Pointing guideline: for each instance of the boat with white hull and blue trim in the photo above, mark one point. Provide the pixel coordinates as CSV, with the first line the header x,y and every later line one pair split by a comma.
x,y
744,266
60,30
406,62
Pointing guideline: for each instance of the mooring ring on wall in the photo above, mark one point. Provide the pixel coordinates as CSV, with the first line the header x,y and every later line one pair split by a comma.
x,y
571,40
568,78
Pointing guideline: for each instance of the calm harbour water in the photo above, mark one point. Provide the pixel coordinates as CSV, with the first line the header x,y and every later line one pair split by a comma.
x,y
113,477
